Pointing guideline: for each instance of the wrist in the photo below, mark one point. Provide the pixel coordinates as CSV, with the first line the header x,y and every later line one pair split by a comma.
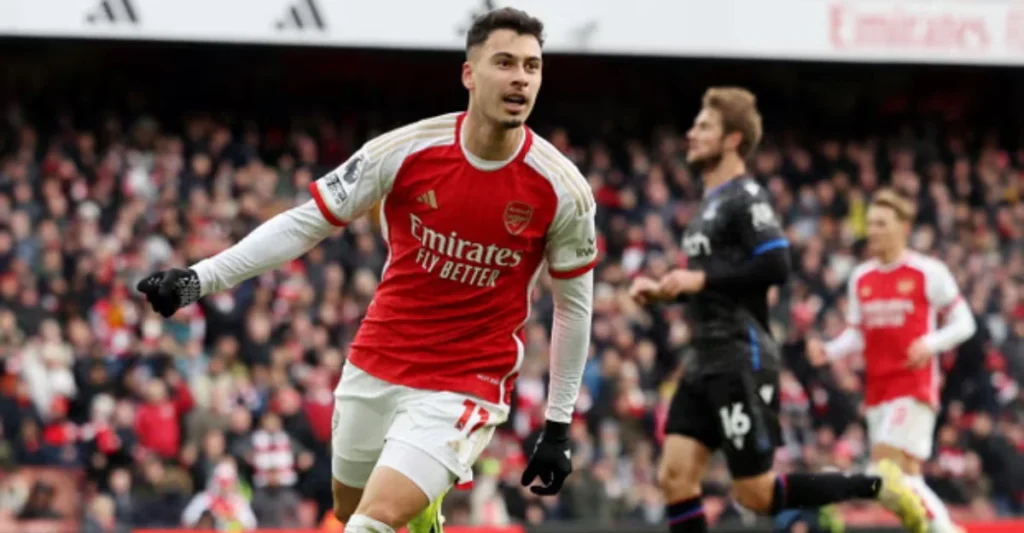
x,y
190,287
556,430
708,279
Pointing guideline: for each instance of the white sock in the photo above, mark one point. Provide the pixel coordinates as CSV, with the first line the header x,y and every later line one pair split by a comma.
x,y
364,524
938,515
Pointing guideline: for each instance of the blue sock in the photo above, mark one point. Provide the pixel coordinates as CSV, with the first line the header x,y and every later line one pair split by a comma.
x,y
686,516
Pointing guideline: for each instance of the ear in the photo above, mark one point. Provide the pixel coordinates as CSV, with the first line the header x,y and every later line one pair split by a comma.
x,y
467,76
732,141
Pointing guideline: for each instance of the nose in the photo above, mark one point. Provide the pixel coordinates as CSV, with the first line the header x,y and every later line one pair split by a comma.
x,y
520,81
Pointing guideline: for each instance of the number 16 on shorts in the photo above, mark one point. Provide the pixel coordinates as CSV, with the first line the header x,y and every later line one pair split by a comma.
x,y
735,424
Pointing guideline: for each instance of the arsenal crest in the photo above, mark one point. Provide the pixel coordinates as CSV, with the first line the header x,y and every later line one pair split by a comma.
x,y
517,217
904,286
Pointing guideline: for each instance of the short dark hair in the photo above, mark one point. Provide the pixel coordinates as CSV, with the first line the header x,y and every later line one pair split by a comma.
x,y
506,18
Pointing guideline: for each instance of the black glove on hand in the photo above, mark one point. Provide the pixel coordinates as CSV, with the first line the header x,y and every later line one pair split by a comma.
x,y
551,460
170,290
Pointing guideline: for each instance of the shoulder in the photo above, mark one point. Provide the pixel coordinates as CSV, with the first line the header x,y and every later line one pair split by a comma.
x,y
746,192
739,197
928,266
569,185
414,137
862,270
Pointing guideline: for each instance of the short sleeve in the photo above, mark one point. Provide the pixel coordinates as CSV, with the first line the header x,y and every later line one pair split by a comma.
x,y
759,228
349,191
572,239
941,286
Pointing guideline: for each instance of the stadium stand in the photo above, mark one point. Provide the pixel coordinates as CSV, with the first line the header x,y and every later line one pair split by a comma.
x,y
118,159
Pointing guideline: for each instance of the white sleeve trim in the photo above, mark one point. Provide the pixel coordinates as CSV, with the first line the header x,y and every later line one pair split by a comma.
x,y
570,343
275,242
959,327
849,341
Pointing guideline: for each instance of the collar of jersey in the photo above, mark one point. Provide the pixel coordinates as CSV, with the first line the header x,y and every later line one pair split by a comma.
x,y
718,188
485,164
898,262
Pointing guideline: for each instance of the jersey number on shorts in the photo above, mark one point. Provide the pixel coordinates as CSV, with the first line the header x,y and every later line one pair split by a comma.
x,y
735,424
482,414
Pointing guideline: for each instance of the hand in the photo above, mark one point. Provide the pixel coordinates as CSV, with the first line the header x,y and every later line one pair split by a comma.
x,y
645,290
919,354
170,290
305,461
681,281
816,352
551,460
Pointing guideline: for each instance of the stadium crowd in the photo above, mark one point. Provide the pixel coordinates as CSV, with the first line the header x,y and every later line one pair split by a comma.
x,y
223,412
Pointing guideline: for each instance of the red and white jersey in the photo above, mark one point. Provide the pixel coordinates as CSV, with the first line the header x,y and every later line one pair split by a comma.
x,y
893,306
467,240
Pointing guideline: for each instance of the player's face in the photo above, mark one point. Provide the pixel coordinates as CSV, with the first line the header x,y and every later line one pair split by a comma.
x,y
706,140
886,231
503,77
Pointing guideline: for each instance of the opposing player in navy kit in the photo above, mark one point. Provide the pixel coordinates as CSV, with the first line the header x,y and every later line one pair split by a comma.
x,y
728,398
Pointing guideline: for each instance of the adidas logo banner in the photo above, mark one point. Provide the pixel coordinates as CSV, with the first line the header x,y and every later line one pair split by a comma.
x,y
113,12
302,15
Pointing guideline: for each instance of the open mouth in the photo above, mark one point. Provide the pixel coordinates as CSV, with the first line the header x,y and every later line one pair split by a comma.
x,y
514,102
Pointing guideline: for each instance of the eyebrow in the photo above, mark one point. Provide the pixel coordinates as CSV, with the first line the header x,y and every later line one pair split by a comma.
x,y
510,55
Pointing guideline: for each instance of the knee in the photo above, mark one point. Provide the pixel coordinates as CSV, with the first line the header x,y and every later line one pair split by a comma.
x,y
757,495
909,464
383,513
677,481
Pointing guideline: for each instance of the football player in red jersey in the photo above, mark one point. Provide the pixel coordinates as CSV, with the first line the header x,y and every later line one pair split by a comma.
x,y
894,304
474,207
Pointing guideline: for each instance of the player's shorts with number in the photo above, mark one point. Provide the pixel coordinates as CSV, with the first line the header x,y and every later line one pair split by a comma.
x,y
452,428
737,412
906,424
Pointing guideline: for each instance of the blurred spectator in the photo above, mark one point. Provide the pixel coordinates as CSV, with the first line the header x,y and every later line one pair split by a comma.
x,y
101,517
157,421
40,504
223,499
160,496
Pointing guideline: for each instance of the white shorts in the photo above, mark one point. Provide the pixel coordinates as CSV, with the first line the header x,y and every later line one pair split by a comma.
x,y
450,428
905,423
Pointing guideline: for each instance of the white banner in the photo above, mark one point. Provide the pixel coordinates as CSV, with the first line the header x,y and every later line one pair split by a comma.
x,y
928,31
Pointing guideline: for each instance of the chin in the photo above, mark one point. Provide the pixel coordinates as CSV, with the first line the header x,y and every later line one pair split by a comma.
x,y
702,162
511,123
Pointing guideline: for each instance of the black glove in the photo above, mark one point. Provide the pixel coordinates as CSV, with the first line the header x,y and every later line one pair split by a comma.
x,y
551,460
170,290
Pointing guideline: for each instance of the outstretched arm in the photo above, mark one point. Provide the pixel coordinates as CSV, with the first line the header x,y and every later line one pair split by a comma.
x,y
275,242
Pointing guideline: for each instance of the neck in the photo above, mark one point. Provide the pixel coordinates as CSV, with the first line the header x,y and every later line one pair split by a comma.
x,y
488,140
728,168
890,256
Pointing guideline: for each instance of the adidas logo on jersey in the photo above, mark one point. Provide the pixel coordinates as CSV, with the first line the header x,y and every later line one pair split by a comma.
x,y
428,198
